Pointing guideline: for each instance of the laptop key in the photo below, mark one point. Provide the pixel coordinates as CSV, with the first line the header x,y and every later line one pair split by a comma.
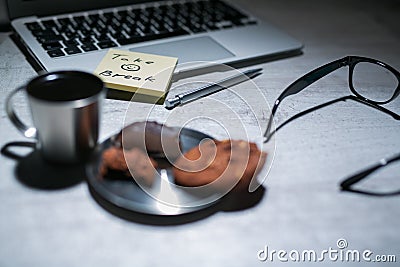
x,y
51,45
78,19
103,37
102,30
107,17
71,34
70,50
237,22
122,13
64,21
50,38
48,24
85,32
251,22
70,42
56,53
32,26
47,32
118,35
197,29
131,29
62,28
94,17
224,24
106,44
87,39
130,40
88,47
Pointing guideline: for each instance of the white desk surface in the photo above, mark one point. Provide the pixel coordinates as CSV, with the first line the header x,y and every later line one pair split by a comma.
x,y
302,208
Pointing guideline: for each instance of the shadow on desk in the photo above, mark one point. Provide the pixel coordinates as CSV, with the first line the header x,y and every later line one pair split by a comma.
x,y
34,172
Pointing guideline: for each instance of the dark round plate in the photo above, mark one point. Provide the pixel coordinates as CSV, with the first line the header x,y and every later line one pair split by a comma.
x,y
129,196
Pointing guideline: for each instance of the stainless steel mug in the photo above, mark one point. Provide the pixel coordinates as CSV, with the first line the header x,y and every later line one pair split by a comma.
x,y
65,108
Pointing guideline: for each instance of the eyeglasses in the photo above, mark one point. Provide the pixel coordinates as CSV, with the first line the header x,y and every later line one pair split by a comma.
x,y
347,184
371,81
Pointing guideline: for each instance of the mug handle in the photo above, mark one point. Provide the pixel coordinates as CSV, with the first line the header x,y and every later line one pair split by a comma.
x,y
27,131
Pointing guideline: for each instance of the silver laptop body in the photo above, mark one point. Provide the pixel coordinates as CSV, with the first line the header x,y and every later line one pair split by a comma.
x,y
247,38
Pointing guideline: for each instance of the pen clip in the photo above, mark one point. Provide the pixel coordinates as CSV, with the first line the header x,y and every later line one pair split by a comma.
x,y
210,88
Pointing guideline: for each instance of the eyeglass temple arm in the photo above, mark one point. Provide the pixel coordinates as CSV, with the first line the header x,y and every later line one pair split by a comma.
x,y
301,83
345,184
344,98
305,112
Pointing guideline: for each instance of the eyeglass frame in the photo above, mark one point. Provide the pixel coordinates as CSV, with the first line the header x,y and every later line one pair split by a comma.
x,y
346,184
320,72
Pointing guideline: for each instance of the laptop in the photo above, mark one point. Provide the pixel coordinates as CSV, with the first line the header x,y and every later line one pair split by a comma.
x,y
76,34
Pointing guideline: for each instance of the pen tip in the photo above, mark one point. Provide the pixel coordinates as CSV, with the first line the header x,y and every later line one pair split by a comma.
x,y
171,103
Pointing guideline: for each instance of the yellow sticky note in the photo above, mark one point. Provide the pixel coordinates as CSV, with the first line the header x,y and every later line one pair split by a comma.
x,y
145,74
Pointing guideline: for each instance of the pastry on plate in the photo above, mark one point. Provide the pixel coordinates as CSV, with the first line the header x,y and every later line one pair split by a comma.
x,y
152,137
223,165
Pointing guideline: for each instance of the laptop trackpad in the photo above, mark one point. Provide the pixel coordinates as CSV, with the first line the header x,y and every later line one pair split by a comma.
x,y
194,49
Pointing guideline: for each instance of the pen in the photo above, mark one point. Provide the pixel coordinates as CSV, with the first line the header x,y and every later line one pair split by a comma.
x,y
210,89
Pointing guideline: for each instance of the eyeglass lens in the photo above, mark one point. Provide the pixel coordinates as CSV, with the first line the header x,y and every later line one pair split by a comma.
x,y
374,82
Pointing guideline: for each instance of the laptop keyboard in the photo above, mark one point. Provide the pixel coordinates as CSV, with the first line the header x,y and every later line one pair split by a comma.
x,y
68,35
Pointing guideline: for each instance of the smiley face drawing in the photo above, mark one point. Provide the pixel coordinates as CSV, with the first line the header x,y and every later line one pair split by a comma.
x,y
130,67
